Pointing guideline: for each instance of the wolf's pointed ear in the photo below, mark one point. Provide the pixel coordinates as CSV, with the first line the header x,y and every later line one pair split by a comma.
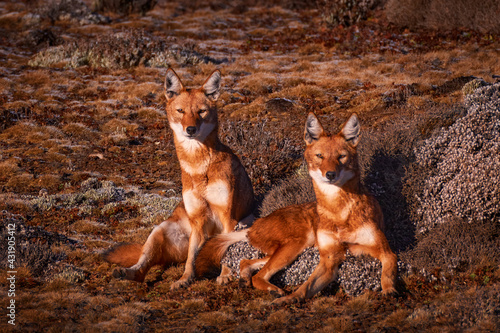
x,y
313,129
211,87
351,130
173,85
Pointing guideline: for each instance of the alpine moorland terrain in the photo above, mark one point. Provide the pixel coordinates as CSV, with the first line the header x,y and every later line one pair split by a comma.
x,y
87,158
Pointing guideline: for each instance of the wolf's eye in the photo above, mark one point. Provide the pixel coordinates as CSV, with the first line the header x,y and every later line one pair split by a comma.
x,y
202,112
319,156
342,158
180,110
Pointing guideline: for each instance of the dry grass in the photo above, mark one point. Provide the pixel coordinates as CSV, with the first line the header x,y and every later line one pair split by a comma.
x,y
66,117
445,14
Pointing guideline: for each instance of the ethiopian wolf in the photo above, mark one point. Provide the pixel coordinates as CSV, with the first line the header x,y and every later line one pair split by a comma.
x,y
216,190
344,217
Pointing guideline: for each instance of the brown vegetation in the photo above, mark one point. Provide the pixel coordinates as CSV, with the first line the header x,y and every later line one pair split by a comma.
x,y
445,14
87,158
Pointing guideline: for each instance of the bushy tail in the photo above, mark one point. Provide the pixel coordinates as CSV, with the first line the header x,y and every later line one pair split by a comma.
x,y
209,258
125,254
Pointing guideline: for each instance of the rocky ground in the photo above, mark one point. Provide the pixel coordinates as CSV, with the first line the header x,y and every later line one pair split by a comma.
x,y
87,160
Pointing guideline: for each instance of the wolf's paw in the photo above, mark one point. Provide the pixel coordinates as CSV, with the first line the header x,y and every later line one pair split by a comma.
x,y
277,292
127,274
390,292
122,273
182,283
244,283
223,279
290,299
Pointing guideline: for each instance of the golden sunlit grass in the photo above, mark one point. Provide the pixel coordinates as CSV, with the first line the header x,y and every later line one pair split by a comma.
x,y
338,324
64,125
36,77
79,131
279,318
214,318
259,84
324,305
8,168
302,91
119,126
50,182
150,113
19,182
193,305
87,227
359,304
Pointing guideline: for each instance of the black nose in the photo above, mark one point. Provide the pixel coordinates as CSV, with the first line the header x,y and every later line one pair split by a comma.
x,y
330,175
191,130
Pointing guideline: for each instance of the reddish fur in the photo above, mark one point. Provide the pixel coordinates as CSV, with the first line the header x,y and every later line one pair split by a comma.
x,y
282,235
342,214
125,255
212,252
206,165
341,211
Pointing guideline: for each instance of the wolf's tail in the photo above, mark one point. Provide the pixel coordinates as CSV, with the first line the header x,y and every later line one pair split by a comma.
x,y
124,254
209,258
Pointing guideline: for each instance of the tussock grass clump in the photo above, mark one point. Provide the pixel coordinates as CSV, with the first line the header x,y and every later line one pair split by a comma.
x,y
279,318
445,14
80,131
119,126
297,189
193,305
75,11
33,245
475,309
121,50
456,246
338,324
346,12
259,83
260,146
8,168
29,132
214,318
125,6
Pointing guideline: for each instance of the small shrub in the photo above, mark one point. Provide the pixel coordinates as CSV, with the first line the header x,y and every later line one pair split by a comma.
x,y
121,50
279,318
456,172
445,14
70,275
456,246
339,324
39,38
294,190
345,12
125,6
68,10
193,305
80,131
33,245
260,146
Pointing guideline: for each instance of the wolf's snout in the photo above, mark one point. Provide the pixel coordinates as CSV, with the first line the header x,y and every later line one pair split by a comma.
x,y
330,175
191,130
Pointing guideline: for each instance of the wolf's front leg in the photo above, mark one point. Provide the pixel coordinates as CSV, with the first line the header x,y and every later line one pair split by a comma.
x,y
325,272
196,240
